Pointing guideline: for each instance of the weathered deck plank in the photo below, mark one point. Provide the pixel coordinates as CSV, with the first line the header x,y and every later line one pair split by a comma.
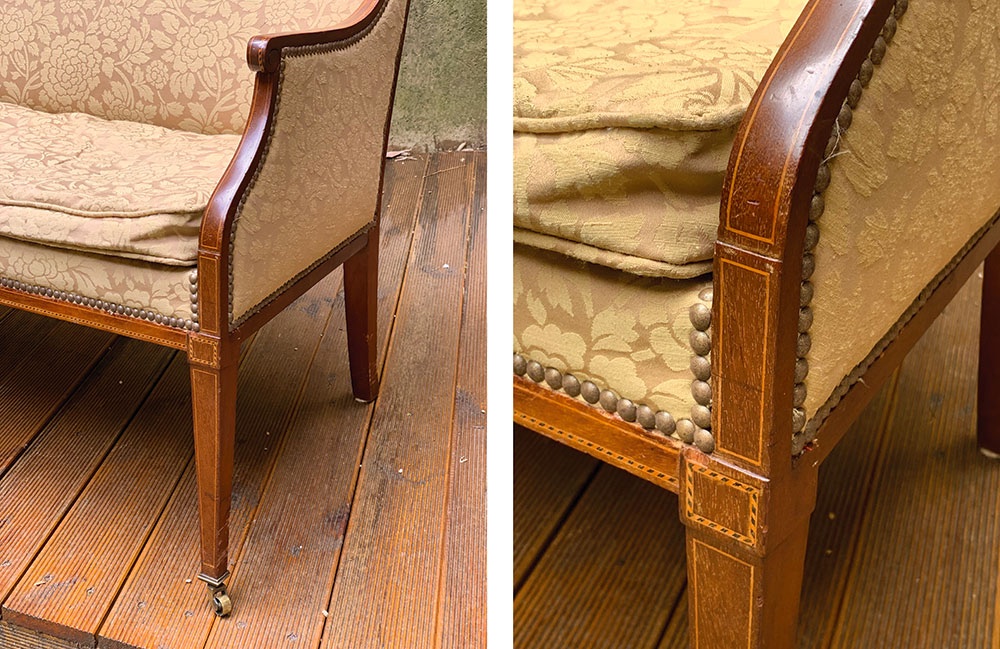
x,y
623,544
125,525
551,478
394,538
40,488
69,587
41,377
463,580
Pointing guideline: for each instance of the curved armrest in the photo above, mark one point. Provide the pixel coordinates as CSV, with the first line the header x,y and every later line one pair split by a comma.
x,y
264,52
851,204
306,178
766,200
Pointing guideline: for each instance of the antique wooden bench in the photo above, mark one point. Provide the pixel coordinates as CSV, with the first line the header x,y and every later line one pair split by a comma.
x,y
152,186
732,220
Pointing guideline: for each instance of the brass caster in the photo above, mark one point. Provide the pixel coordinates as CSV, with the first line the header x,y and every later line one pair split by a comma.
x,y
221,602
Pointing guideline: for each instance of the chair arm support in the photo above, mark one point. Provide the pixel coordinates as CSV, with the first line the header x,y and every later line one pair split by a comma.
x,y
764,212
848,203
307,175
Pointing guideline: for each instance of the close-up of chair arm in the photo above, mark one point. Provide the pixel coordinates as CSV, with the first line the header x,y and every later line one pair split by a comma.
x,y
306,180
865,171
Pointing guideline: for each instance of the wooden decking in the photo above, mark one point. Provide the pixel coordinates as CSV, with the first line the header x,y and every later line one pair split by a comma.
x,y
904,546
352,525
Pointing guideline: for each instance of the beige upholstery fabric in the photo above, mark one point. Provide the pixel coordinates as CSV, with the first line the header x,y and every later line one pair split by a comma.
x,y
622,332
169,62
920,176
119,188
645,201
136,284
624,115
328,137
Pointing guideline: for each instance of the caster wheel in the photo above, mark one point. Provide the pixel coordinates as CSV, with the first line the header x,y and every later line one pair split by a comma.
x,y
221,602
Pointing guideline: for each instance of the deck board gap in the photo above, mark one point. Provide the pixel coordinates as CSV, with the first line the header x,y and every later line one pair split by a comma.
x,y
557,528
459,357
871,482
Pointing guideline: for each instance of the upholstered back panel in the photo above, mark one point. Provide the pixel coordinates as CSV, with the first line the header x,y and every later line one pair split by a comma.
x,y
176,63
918,176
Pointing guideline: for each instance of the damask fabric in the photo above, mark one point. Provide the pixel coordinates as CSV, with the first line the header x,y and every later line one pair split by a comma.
x,y
319,182
175,63
624,116
623,332
919,176
115,188
137,284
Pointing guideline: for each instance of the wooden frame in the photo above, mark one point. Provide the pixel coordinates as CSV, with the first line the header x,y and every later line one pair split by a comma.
x,y
747,504
213,345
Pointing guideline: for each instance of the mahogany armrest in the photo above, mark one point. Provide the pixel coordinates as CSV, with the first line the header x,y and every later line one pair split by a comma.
x,y
845,223
766,200
264,52
311,160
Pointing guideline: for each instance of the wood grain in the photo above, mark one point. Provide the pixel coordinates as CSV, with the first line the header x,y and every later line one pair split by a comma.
x,y
42,485
613,573
399,509
462,593
40,380
69,587
550,480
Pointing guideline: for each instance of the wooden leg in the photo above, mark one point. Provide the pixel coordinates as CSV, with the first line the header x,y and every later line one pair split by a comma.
x,y
738,599
361,300
988,418
213,393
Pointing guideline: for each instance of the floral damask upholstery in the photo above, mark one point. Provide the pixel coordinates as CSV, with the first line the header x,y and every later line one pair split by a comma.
x,y
175,63
110,187
624,116
624,119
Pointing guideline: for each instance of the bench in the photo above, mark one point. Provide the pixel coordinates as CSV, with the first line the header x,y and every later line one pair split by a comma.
x,y
153,186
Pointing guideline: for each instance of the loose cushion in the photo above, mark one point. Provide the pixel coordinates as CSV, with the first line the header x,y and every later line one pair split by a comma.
x,y
107,187
624,117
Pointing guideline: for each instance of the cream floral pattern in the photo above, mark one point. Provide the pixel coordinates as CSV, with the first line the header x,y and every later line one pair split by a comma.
x,y
175,63
623,332
319,182
624,117
135,190
140,285
693,64
920,176
645,201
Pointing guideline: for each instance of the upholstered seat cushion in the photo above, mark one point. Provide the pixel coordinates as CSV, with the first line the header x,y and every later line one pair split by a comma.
x,y
630,335
624,117
106,187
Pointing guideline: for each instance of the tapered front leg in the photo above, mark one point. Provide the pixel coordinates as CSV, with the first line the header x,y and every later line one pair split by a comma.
x,y
361,301
746,546
988,418
213,396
